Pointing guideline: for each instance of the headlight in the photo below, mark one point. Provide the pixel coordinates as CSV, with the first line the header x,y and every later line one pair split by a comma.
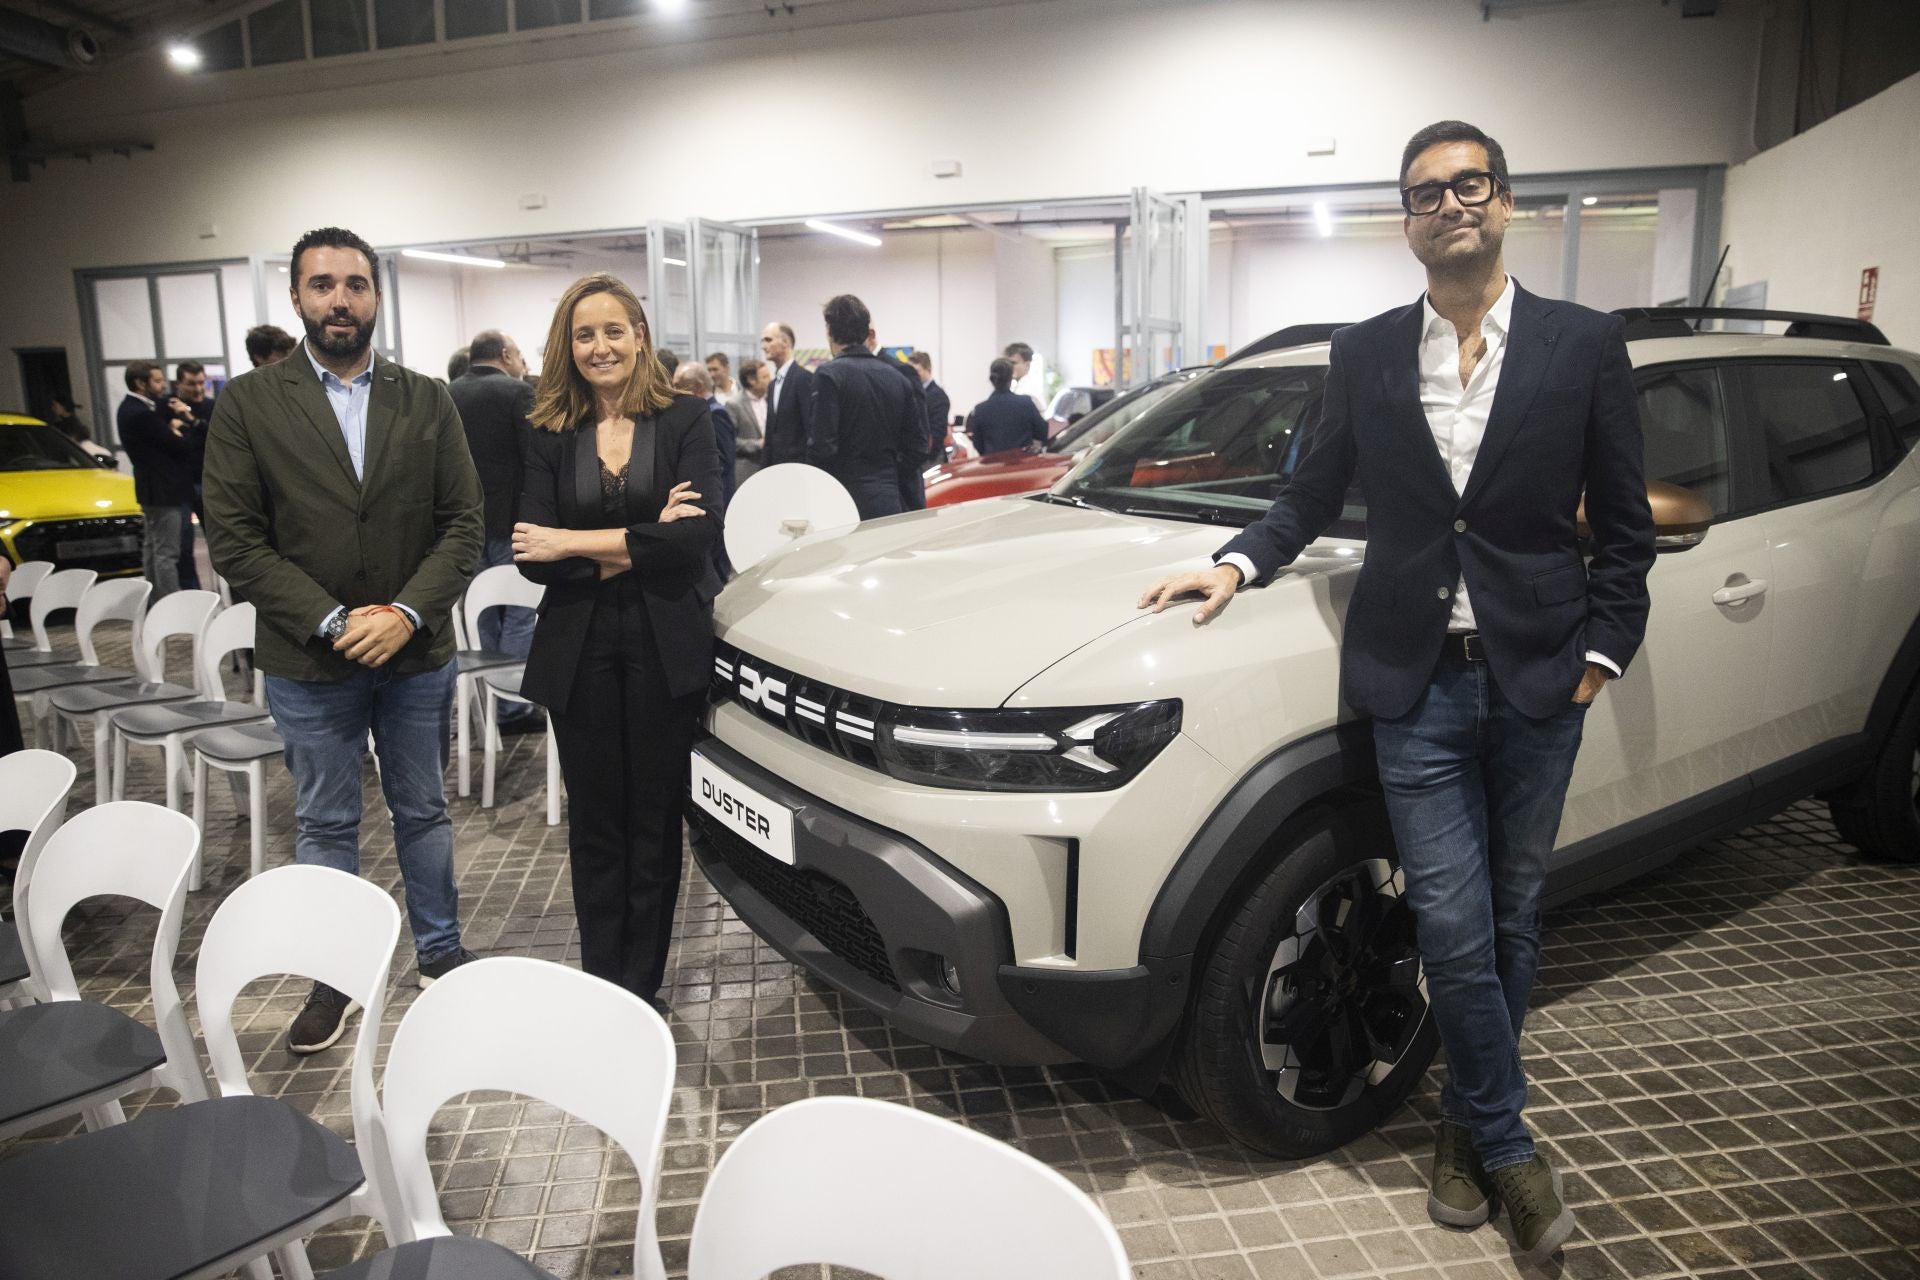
x,y
1061,749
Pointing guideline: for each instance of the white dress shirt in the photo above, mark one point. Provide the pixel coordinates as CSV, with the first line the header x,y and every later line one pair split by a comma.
x,y
773,392
1457,416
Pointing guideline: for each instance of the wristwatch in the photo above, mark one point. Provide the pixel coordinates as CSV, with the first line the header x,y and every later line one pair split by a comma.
x,y
335,627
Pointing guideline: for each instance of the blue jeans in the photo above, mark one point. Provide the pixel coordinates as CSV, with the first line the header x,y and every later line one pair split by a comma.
x,y
1474,790
506,630
325,724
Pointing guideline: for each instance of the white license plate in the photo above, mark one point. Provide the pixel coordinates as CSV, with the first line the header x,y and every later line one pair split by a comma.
x,y
71,547
762,823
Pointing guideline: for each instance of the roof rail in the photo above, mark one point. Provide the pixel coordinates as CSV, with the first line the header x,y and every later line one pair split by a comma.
x,y
1294,335
1672,322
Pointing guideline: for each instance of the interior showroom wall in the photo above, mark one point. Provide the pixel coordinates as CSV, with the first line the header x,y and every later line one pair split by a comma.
x,y
602,132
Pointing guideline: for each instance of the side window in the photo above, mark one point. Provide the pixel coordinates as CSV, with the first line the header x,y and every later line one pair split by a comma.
x,y
1901,396
1809,421
1683,418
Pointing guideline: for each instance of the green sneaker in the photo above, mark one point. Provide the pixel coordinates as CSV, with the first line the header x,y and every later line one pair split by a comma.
x,y
1541,1220
1463,1194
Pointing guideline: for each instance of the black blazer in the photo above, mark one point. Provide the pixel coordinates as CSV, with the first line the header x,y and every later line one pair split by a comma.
x,y
1564,420
939,416
870,421
164,465
560,488
1006,420
790,424
493,407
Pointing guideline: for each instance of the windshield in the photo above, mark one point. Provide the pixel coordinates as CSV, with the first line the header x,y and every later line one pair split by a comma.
x,y
1115,414
1216,449
38,448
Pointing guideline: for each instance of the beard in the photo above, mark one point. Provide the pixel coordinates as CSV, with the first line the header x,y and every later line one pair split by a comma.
x,y
1442,258
350,347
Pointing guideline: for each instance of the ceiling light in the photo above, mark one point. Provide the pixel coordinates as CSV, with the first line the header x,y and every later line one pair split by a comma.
x,y
1323,218
458,259
670,6
1589,200
184,57
673,262
845,233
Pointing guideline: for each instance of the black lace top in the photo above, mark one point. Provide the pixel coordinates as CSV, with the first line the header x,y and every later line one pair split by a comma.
x,y
613,494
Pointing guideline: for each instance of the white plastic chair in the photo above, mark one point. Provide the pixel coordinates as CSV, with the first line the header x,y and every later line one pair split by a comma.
x,y
895,1192
168,725
92,706
239,749
529,1027
261,1174
504,686
501,586
51,593
33,798
121,600
27,576
73,1057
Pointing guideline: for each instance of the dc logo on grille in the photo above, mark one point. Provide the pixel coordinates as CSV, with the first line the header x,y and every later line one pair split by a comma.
x,y
763,690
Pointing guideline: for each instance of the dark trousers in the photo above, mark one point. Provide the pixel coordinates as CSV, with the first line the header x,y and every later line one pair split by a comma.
x,y
624,744
875,493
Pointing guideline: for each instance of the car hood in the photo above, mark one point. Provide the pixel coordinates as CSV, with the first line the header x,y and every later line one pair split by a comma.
x,y
42,495
954,606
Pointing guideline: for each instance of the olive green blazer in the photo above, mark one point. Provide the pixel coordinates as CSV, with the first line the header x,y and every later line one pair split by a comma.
x,y
296,534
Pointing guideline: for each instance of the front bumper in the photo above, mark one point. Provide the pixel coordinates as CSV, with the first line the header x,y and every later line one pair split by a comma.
x,y
881,917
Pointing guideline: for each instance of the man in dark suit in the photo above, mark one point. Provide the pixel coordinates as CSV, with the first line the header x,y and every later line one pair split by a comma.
x,y
789,397
190,388
869,425
494,400
1477,635
342,503
154,430
939,408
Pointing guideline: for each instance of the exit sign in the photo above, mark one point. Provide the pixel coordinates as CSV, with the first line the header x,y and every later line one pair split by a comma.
x,y
1869,291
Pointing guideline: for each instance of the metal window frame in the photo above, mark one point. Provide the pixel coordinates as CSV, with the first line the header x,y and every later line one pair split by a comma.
x,y
104,397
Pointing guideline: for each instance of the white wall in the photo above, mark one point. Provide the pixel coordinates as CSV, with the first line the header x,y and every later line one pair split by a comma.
x,y
1808,216
1037,101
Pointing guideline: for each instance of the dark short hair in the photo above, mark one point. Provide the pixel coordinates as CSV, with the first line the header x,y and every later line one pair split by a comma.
x,y
1019,349
186,367
335,238
489,346
668,359
458,363
1455,131
847,319
265,340
726,361
750,367
1000,373
138,372
920,360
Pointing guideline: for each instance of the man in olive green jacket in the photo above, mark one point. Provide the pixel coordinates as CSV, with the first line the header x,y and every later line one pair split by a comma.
x,y
342,504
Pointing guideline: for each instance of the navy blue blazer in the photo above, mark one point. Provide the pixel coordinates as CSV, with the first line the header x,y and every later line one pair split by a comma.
x,y
1564,420
1005,420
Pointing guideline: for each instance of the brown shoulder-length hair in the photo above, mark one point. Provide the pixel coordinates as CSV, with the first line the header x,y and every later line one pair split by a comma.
x,y
564,398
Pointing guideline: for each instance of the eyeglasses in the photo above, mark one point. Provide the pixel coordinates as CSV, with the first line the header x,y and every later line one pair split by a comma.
x,y
1469,189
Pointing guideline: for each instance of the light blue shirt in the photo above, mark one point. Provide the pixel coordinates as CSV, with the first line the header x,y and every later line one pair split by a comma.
x,y
349,401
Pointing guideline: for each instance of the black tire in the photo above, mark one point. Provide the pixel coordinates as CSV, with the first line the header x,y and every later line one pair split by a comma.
x,y
1880,814
1294,1053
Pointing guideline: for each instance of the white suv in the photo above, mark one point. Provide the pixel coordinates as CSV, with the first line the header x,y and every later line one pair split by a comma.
x,y
954,772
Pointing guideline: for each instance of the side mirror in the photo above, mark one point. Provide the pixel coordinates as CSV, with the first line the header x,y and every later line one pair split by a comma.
x,y
107,461
1681,517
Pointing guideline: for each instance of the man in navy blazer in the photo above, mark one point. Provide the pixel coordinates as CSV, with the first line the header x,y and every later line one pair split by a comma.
x,y
1477,635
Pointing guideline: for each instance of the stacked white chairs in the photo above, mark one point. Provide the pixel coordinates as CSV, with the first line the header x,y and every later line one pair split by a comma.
x,y
27,576
499,586
33,798
849,1181
200,1189
92,706
168,725
52,592
535,1028
68,1056
118,600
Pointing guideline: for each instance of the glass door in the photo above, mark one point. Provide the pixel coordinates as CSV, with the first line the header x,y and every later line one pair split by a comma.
x,y
162,314
1152,290
726,289
670,288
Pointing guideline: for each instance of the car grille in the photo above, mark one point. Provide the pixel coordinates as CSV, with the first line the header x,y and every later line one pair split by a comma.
x,y
820,904
105,544
832,719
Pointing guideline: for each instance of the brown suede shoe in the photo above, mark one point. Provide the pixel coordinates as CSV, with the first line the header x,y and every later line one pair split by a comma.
x,y
1463,1194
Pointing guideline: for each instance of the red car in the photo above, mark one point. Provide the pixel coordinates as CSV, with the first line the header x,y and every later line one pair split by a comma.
x,y
1018,471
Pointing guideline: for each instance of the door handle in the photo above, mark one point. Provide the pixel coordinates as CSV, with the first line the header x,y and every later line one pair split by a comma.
x,y
1740,592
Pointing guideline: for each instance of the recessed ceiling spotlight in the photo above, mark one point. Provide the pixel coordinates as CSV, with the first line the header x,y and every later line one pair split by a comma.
x,y
184,57
1323,218
1589,200
670,6
458,259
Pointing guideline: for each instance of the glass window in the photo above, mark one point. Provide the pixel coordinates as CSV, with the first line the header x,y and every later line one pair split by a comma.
x,y
599,9
222,49
467,18
1809,421
24,448
530,15
277,33
339,26
1683,419
124,310
190,314
398,23
1901,396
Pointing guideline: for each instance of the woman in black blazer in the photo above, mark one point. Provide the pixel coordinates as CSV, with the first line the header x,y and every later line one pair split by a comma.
x,y
614,519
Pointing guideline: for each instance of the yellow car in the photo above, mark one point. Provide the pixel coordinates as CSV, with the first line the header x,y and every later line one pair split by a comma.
x,y
57,504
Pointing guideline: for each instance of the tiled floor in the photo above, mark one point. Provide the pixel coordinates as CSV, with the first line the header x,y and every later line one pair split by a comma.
x,y
1725,1056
